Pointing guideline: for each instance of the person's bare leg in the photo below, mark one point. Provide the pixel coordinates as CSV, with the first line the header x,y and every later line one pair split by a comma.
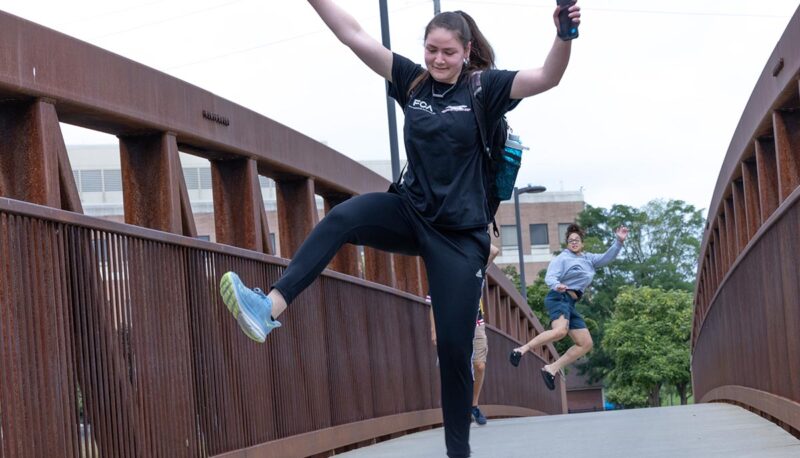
x,y
278,303
559,330
479,369
583,343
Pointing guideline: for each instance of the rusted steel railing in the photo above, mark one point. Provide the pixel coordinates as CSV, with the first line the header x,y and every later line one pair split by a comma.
x,y
113,339
746,344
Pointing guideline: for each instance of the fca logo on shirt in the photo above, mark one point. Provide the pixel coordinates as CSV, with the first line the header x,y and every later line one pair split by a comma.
x,y
418,104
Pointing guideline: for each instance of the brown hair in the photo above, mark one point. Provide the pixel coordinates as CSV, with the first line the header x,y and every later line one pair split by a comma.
x,y
574,229
481,55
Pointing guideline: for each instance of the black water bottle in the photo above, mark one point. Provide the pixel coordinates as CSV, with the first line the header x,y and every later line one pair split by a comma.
x,y
567,30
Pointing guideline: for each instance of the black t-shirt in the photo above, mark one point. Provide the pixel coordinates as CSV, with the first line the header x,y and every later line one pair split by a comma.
x,y
445,176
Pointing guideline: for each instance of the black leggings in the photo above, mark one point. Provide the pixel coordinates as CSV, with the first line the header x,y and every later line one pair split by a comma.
x,y
455,262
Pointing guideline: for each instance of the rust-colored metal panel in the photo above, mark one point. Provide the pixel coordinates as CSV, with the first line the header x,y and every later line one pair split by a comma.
x,y
237,203
29,153
379,267
752,200
786,125
767,168
722,248
152,182
297,212
740,213
188,226
266,240
70,198
407,273
730,231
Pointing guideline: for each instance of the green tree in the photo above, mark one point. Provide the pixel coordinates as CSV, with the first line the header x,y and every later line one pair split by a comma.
x,y
647,339
661,252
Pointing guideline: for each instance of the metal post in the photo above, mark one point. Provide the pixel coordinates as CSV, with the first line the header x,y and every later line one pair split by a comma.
x,y
393,149
436,7
517,192
522,287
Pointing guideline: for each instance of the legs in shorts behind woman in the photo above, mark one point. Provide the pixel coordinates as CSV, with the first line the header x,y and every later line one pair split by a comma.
x,y
564,320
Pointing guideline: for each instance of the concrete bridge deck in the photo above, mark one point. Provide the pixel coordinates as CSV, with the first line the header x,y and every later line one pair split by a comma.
x,y
700,430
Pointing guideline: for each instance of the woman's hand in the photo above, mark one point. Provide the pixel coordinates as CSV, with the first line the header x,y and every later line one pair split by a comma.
x,y
622,233
574,13
561,287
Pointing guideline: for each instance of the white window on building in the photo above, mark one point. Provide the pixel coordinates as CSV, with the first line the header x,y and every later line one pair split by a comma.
x,y
265,182
508,238
91,181
540,243
539,234
205,178
112,180
191,177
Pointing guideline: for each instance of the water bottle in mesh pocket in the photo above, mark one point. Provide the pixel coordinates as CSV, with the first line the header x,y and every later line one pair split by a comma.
x,y
508,167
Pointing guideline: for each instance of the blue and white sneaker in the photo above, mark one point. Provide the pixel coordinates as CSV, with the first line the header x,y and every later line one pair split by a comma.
x,y
251,307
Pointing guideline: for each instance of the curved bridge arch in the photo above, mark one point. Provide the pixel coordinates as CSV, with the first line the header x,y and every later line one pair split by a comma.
x,y
745,346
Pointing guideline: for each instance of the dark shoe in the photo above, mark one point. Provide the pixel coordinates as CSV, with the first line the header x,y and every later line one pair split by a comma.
x,y
549,380
514,357
478,416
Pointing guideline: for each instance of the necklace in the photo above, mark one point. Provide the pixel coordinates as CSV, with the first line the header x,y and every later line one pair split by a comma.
x,y
440,96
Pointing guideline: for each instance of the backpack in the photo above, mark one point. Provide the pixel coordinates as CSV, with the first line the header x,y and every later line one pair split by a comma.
x,y
502,164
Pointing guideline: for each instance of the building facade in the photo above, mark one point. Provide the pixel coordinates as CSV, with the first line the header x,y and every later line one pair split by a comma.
x,y
543,222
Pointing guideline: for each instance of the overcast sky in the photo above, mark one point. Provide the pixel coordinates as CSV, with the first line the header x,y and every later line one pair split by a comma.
x,y
646,110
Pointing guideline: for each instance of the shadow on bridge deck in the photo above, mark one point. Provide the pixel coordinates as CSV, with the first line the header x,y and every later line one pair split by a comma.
x,y
701,430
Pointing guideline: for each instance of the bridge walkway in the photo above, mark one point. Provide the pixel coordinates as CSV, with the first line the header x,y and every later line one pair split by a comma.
x,y
699,430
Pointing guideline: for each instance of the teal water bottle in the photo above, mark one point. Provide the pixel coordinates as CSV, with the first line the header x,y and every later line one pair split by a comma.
x,y
509,167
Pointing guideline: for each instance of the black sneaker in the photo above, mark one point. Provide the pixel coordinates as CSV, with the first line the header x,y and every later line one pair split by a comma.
x,y
478,416
549,379
514,358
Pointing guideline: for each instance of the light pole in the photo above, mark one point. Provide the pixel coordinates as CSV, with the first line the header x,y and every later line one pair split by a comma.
x,y
393,148
517,191
436,8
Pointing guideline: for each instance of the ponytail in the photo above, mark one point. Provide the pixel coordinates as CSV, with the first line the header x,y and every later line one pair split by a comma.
x,y
481,56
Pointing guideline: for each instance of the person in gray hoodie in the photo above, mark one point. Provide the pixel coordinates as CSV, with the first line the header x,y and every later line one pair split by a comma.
x,y
568,276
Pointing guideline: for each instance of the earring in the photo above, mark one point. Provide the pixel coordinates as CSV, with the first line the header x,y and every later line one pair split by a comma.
x,y
466,61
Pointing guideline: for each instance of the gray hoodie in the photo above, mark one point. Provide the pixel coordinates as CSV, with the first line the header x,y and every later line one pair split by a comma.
x,y
577,270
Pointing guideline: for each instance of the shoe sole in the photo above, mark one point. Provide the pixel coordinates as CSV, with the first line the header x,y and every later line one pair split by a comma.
x,y
230,296
550,383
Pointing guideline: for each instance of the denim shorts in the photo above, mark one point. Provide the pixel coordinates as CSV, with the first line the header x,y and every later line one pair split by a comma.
x,y
561,304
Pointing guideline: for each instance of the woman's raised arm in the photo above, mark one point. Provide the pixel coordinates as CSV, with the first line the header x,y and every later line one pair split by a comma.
x,y
533,81
349,32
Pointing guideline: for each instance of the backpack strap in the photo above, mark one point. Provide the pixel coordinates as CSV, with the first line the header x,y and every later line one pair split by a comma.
x,y
480,119
477,109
